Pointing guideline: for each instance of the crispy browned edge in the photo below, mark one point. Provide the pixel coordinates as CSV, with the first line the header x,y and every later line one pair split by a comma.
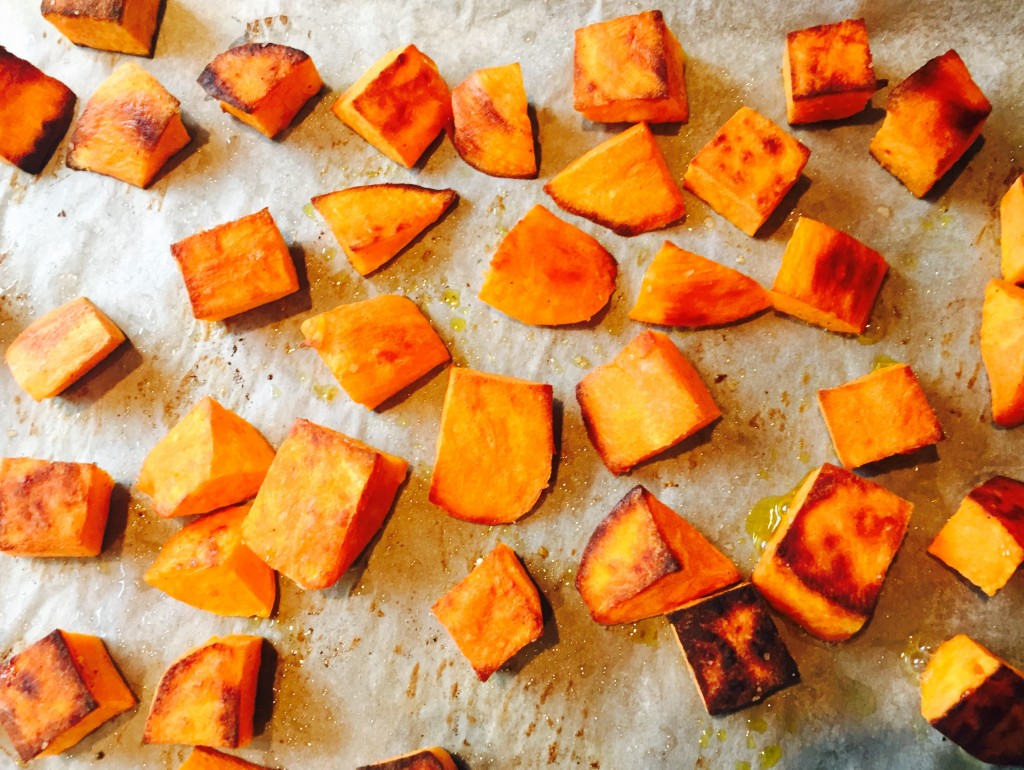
x,y
103,10
425,757
837,85
982,720
221,89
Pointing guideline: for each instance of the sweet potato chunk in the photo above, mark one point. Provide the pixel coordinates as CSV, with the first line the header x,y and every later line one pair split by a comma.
x,y
493,612
683,289
129,129
373,223
35,112
647,399
262,84
399,105
1011,236
52,509
125,26
325,496
548,272
203,758
59,348
491,123
644,559
1002,350
434,758
984,539
733,649
375,347
628,70
976,700
825,564
931,119
207,697
212,458
58,690
746,169
205,565
495,447
879,415
235,267
623,184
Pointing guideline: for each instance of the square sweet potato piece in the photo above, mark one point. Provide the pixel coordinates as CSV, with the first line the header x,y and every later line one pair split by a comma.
x,y
1011,232
434,758
493,612
235,267
125,26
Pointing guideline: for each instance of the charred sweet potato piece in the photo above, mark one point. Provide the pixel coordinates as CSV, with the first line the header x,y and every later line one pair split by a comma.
x,y
325,496
58,690
825,564
206,565
203,758
493,612
35,112
984,539
125,26
879,415
647,399
931,119
60,347
644,559
207,697
495,447
746,169
1002,350
376,347
434,758
52,509
683,289
399,105
623,184
733,649
1011,236
129,128
210,459
373,223
262,84
975,699
491,126
628,70
548,272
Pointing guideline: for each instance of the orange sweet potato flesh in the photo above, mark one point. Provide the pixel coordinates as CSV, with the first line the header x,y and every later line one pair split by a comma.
x,y
207,697
623,184
1002,350
126,26
548,273
433,758
683,289
495,447
1011,235
203,758
35,111
493,612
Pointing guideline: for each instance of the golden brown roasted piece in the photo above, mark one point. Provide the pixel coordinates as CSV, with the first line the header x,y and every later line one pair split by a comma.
x,y
35,112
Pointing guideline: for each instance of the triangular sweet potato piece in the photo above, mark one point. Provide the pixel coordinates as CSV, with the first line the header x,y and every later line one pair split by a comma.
x,y
1002,350
373,223
684,289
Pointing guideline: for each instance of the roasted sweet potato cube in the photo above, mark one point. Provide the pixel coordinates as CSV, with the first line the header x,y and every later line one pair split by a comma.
x,y
1002,350
879,415
373,223
207,697
628,70
623,184
644,559
210,459
206,565
203,758
975,699
931,119
60,347
495,447
825,564
733,649
58,690
746,169
827,72
984,539
235,267
683,289
376,347
325,496
399,105
35,112
647,399
548,272
51,508
491,127
125,26
493,612
129,129
1011,236
262,84
828,278
434,758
